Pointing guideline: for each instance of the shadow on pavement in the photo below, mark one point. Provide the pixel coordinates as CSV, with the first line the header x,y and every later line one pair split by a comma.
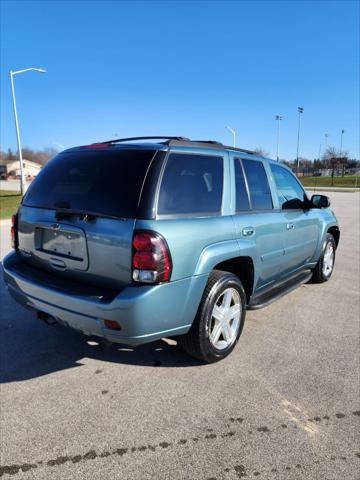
x,y
29,348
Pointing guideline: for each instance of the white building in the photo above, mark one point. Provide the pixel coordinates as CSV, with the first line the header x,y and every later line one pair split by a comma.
x,y
31,169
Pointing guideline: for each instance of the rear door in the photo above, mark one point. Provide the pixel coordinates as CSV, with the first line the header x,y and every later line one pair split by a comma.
x,y
301,225
256,220
78,216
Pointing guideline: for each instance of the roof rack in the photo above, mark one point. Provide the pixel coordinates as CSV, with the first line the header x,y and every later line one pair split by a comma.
x,y
118,140
203,143
179,141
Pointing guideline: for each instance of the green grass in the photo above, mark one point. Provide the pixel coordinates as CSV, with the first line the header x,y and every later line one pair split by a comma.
x,y
347,181
9,203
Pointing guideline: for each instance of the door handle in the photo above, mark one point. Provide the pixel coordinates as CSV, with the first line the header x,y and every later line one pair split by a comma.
x,y
248,231
290,226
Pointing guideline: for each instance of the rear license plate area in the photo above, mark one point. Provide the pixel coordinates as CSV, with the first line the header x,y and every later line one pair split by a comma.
x,y
62,243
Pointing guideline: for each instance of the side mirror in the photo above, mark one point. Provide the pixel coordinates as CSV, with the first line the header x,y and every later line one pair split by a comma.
x,y
320,201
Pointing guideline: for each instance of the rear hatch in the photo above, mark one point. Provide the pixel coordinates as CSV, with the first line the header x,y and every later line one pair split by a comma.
x,y
77,218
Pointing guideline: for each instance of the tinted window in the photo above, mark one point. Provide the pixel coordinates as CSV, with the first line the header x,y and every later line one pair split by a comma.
x,y
288,187
259,189
242,199
107,182
191,184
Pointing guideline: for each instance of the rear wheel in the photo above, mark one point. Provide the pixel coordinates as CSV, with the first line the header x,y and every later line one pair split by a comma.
x,y
324,268
219,320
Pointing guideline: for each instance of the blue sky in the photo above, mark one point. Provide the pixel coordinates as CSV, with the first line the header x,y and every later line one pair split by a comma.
x,y
182,68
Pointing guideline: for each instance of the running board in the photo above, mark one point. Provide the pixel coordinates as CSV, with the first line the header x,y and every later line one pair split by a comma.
x,y
278,290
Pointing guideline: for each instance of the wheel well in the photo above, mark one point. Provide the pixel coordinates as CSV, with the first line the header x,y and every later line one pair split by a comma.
x,y
243,268
335,232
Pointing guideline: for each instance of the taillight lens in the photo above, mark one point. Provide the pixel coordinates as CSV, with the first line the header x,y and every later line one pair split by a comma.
x,y
151,258
14,231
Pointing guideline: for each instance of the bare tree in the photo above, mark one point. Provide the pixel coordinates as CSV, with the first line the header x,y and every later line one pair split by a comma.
x,y
261,152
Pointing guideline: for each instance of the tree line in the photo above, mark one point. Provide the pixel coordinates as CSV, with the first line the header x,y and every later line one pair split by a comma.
x,y
332,159
38,156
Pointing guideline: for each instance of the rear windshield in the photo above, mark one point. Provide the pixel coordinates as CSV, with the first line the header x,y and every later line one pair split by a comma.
x,y
104,182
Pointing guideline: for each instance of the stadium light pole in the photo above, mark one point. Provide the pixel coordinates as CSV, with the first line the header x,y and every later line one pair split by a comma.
x,y
12,74
234,135
278,118
326,135
300,111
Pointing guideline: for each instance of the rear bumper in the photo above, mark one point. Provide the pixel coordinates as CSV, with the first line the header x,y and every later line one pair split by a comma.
x,y
145,313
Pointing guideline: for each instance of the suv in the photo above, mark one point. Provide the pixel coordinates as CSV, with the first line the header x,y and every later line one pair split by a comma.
x,y
134,242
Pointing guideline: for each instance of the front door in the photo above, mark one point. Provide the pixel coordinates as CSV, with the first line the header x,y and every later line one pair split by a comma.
x,y
301,225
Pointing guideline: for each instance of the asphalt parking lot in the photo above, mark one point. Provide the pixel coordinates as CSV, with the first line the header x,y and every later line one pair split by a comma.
x,y
284,405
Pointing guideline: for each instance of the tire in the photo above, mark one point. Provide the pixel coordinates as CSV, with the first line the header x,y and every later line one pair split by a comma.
x,y
216,313
325,266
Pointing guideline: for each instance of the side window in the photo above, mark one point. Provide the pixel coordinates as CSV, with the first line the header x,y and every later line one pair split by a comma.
x,y
289,190
191,184
242,199
259,189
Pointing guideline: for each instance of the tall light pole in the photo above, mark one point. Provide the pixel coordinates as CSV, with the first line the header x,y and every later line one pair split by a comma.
x,y
59,146
234,135
341,140
12,74
326,135
300,111
278,118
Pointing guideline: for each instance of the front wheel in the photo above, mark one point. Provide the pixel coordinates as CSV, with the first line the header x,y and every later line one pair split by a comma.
x,y
219,320
324,268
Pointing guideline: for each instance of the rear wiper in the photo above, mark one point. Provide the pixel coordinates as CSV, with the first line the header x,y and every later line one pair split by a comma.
x,y
85,215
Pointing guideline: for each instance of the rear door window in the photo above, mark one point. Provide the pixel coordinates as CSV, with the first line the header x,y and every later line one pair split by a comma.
x,y
101,181
259,188
242,199
191,185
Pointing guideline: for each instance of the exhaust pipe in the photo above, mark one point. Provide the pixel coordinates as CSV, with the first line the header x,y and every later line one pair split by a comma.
x,y
45,317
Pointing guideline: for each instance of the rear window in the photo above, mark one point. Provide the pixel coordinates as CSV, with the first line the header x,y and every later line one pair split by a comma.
x,y
191,185
105,182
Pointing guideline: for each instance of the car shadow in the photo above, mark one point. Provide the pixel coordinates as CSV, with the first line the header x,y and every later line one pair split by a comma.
x,y
29,348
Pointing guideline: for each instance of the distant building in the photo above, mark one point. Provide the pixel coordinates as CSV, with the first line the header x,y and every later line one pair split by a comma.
x,y
325,172
3,172
31,169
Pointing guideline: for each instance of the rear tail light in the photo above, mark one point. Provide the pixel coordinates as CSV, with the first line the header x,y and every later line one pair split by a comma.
x,y
151,258
14,231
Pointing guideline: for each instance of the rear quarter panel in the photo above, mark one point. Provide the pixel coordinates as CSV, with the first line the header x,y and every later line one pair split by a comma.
x,y
196,244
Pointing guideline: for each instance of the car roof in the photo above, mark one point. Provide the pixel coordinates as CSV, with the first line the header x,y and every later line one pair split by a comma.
x,y
175,143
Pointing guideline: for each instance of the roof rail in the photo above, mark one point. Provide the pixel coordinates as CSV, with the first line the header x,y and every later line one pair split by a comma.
x,y
161,137
180,141
212,142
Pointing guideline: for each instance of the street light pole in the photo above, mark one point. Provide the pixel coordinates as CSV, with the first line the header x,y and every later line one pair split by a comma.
x,y
300,111
341,141
278,118
12,74
234,135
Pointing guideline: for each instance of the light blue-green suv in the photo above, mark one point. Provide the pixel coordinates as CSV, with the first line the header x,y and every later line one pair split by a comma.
x,y
133,240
